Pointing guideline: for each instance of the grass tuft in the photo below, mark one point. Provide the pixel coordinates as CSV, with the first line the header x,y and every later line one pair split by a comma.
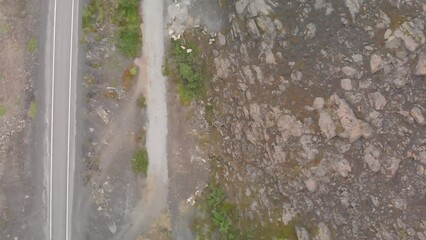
x,y
32,110
141,101
188,69
32,45
3,110
140,161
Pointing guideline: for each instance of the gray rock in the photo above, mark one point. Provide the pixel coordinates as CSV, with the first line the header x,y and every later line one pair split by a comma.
x,y
252,29
301,233
411,33
349,71
346,84
343,167
318,103
421,65
290,125
390,166
324,232
416,113
376,63
327,125
372,157
353,6
348,121
377,100
253,7
311,185
222,67
310,31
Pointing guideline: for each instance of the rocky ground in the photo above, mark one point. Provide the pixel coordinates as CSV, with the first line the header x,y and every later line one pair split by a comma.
x,y
20,168
320,109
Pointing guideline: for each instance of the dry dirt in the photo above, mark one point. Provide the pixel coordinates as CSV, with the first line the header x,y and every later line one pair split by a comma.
x,y
18,163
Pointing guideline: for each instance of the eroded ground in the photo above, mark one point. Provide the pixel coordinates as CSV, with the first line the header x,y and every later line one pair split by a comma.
x,y
320,110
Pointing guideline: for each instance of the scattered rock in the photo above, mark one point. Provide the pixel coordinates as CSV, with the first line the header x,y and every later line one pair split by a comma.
x,y
318,103
102,114
327,125
349,71
377,100
311,185
301,233
353,6
390,166
346,84
324,232
376,63
343,168
421,65
411,33
372,157
310,31
416,113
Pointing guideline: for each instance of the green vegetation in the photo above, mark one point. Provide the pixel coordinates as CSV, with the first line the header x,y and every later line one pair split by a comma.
x,y
125,19
140,161
188,70
32,45
219,216
3,110
141,102
32,110
133,70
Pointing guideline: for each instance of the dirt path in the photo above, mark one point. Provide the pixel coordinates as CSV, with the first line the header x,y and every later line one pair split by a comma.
x,y
151,80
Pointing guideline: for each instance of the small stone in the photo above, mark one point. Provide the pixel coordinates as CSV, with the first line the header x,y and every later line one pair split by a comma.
x,y
421,65
416,113
376,63
318,103
311,185
346,84
324,232
344,168
390,166
349,71
372,157
301,233
310,31
327,125
377,100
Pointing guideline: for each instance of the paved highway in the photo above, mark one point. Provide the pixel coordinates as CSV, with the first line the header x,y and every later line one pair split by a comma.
x,y
61,72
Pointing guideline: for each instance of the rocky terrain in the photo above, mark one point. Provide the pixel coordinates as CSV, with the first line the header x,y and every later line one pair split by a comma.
x,y
320,107
20,166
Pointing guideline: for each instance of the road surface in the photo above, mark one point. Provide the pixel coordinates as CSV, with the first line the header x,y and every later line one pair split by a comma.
x,y
62,81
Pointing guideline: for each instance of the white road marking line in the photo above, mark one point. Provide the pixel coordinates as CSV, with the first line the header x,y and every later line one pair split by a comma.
x,y
51,120
69,118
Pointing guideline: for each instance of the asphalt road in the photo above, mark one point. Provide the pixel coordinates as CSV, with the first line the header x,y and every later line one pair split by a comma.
x,y
62,65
